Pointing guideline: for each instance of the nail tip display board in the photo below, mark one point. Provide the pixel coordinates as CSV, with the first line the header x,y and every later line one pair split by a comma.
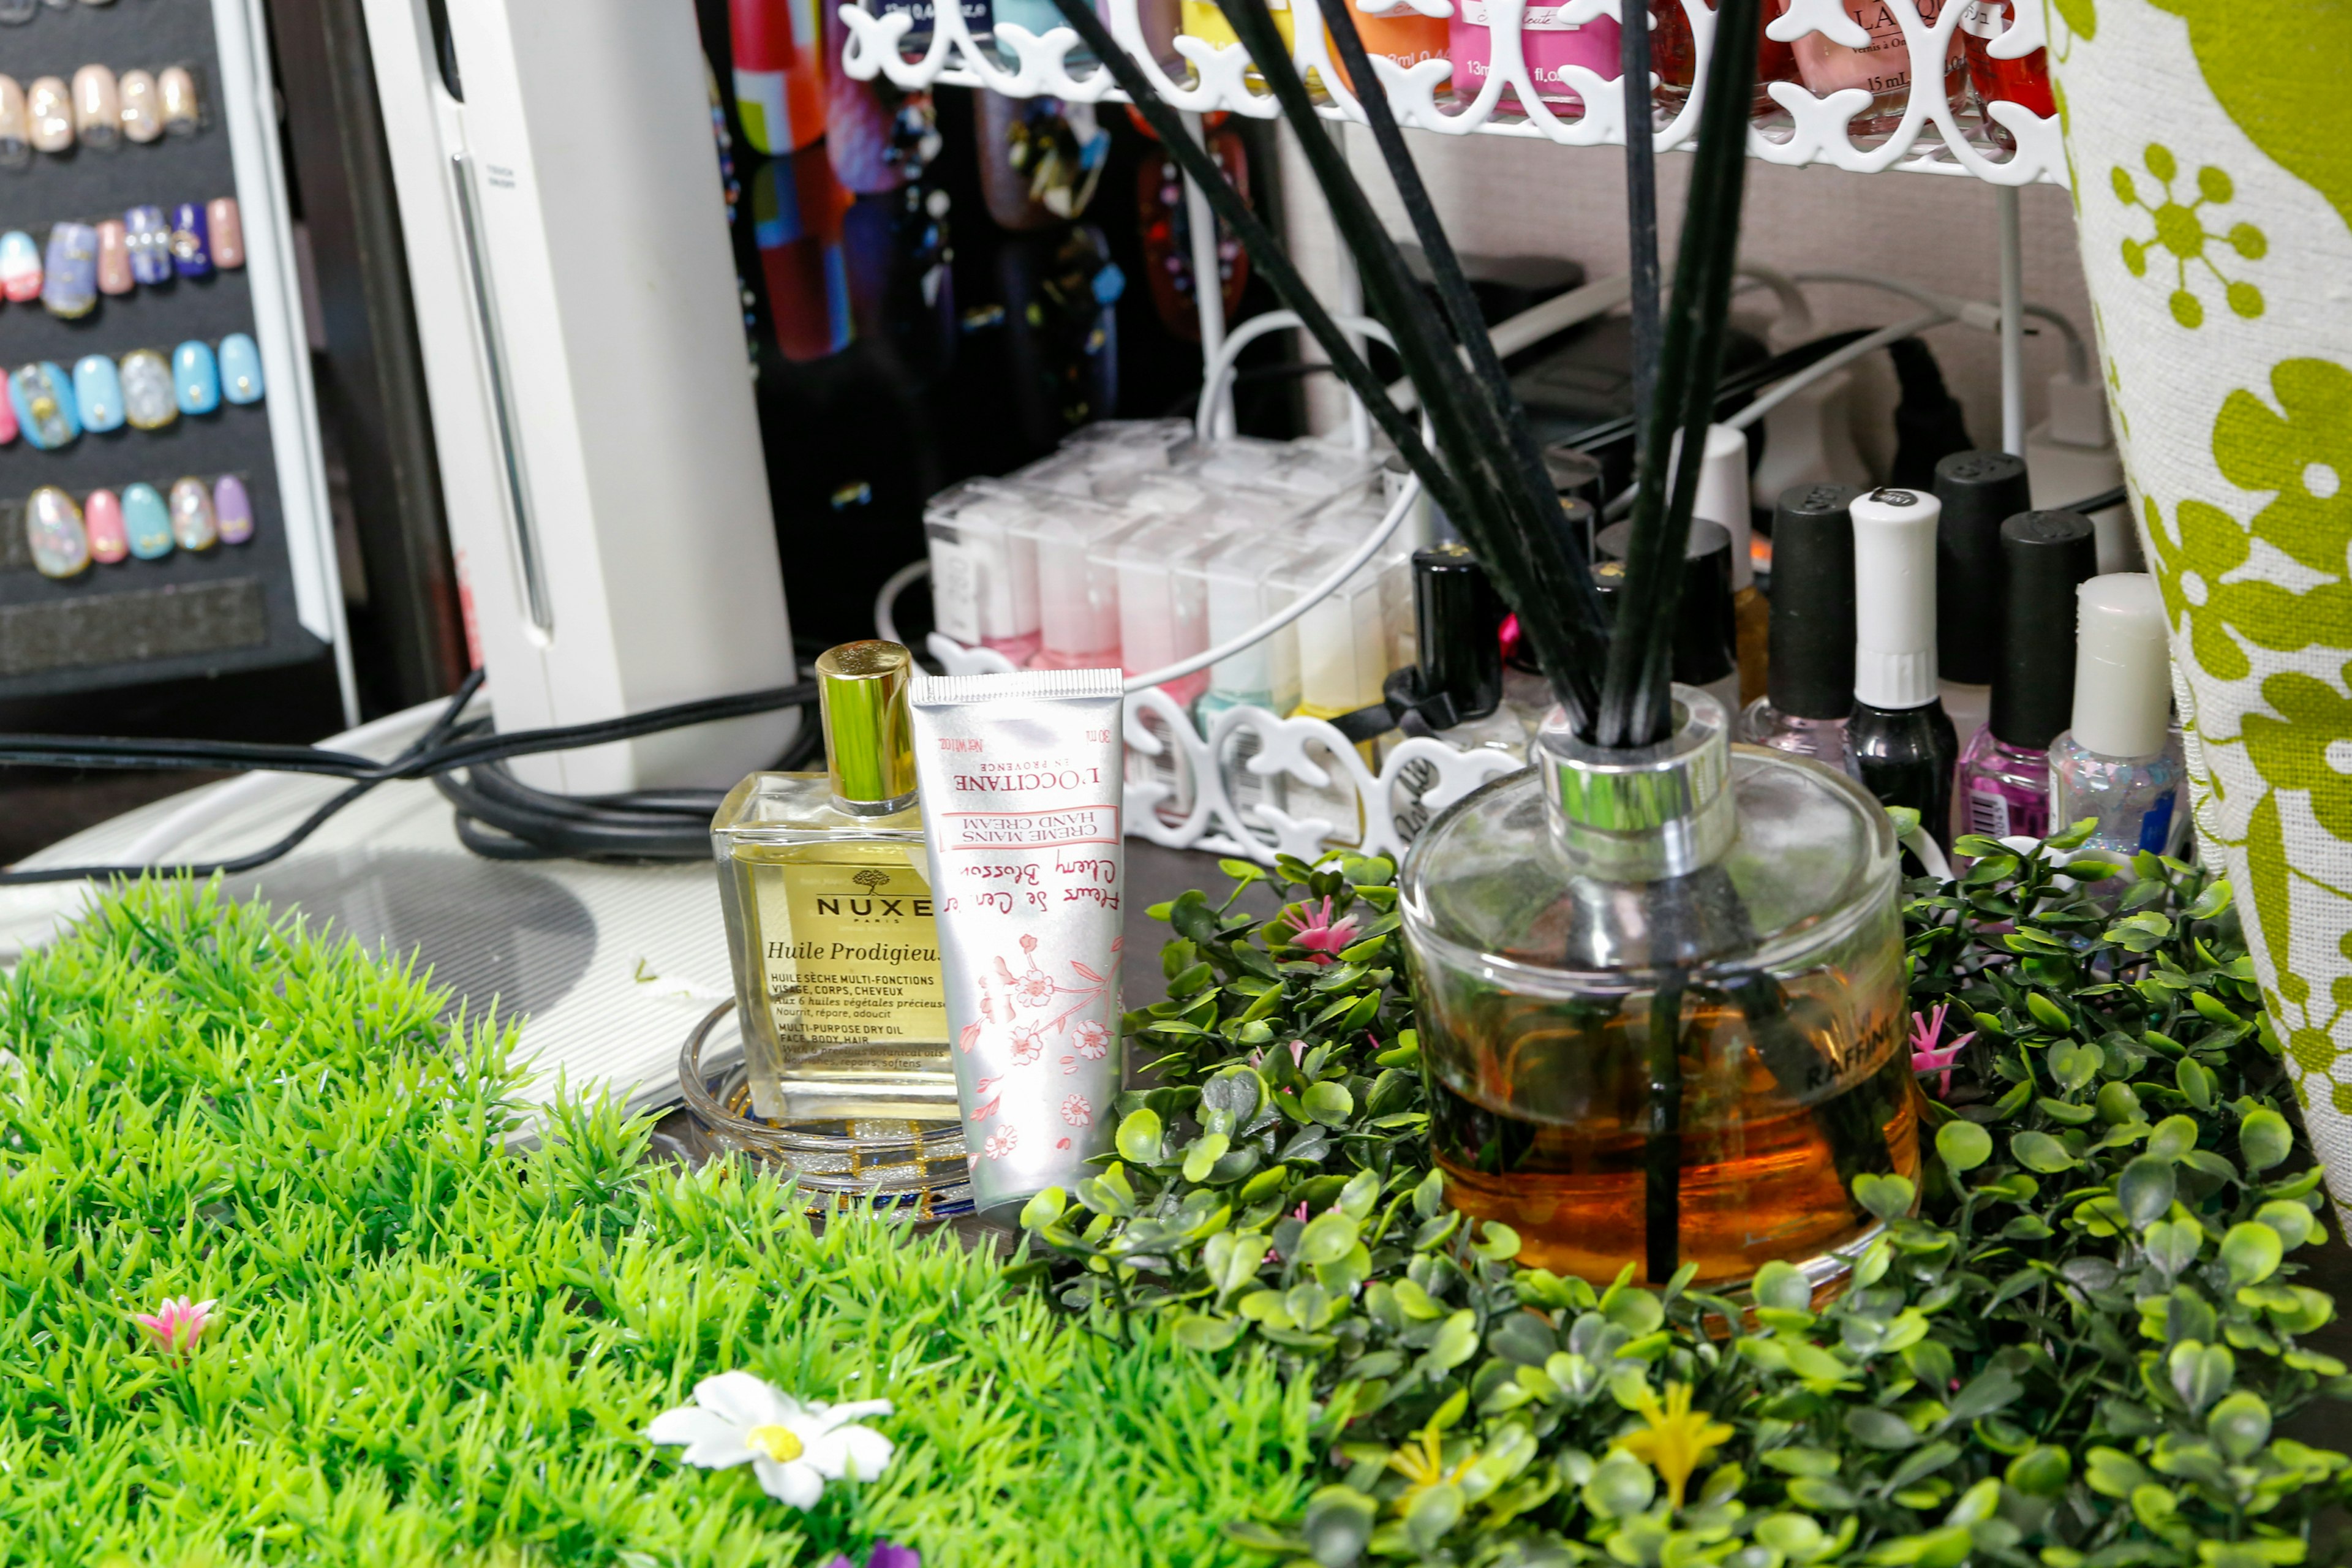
x,y
231,606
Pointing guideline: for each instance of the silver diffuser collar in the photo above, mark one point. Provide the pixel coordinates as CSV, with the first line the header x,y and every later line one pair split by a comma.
x,y
1643,814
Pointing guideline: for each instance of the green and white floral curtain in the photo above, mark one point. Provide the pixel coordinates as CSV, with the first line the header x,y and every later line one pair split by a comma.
x,y
2210,143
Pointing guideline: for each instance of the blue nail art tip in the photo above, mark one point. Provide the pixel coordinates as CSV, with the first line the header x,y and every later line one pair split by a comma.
x,y
69,285
195,377
148,239
99,390
42,396
146,521
192,242
240,369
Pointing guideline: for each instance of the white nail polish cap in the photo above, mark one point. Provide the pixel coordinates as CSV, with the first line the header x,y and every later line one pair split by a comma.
x,y
1723,497
2123,670
1894,597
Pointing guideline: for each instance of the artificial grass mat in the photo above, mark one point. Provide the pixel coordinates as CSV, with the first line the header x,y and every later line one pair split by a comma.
x,y
431,1350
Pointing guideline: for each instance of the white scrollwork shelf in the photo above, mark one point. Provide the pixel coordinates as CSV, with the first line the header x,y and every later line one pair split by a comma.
x,y
1816,131
1179,797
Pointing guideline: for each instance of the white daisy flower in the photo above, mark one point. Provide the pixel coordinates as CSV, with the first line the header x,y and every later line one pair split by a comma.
x,y
793,1448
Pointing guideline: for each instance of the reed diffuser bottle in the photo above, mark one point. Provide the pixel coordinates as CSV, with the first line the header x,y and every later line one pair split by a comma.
x,y
1661,1005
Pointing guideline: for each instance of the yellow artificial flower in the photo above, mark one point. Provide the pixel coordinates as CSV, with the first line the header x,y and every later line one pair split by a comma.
x,y
1677,1441
1424,1466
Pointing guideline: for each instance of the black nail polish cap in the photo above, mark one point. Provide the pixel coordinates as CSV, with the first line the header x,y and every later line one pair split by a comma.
x,y
2045,555
1980,491
1811,674
1458,616
1574,473
1704,631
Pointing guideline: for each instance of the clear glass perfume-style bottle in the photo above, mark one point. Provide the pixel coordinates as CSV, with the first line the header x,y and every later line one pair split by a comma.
x,y
1661,1005
827,888
2118,762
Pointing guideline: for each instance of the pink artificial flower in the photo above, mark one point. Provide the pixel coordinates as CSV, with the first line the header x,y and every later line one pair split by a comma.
x,y
176,1324
1927,1056
1076,1112
1313,932
1094,1041
1026,1046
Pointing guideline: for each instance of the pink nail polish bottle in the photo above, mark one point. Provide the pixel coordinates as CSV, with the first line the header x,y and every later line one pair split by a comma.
x,y
1548,44
1881,66
101,517
2003,783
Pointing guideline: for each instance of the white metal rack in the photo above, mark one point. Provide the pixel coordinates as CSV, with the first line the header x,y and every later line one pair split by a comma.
x,y
1930,139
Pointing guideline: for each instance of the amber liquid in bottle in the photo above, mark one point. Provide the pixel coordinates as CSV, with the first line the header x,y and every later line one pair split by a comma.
x,y
1759,1174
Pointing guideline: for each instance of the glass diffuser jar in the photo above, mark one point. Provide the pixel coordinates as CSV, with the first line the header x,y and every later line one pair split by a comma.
x,y
1661,1005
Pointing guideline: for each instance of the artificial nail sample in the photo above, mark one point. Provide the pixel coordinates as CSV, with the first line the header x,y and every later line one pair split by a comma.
x,y
175,92
53,528
97,108
192,250
146,521
228,233
101,517
142,107
150,240
193,526
48,108
195,377
233,509
98,389
8,416
240,369
114,258
20,267
15,134
70,282
148,401
45,408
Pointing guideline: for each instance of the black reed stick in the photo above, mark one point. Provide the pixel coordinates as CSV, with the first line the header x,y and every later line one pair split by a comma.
x,y
1641,206
1636,709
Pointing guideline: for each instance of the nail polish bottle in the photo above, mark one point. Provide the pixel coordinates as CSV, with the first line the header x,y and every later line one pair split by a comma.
x,y
1904,747
2003,786
1242,577
1674,60
70,277
98,108
1811,693
192,250
232,510
1203,19
1455,693
175,97
1576,475
20,267
48,108
2116,761
16,126
1078,594
102,520
1549,45
114,258
1978,492
1400,34
1722,500
1881,66
1343,652
1705,633
143,106
146,521
149,238
228,227
2024,82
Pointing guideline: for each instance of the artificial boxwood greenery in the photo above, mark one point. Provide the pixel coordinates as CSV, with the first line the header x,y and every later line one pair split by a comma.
x,y
430,1350
2073,1352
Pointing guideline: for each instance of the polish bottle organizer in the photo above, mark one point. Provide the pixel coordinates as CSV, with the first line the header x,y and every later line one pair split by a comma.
x,y
1850,127
114,256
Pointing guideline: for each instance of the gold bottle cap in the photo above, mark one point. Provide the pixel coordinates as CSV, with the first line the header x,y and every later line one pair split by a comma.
x,y
870,744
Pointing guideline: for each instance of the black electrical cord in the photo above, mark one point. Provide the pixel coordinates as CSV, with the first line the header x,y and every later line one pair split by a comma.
x,y
498,816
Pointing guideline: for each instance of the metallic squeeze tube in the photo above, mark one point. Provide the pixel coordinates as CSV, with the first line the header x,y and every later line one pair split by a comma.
x,y
1021,780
